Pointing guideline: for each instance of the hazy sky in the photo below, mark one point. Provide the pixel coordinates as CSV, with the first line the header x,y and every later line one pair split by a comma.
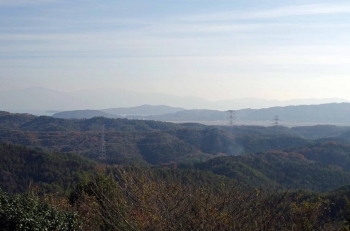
x,y
213,49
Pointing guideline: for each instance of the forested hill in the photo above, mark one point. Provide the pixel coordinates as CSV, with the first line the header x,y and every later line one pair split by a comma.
x,y
22,167
26,122
330,153
14,121
142,141
113,197
190,170
153,142
288,170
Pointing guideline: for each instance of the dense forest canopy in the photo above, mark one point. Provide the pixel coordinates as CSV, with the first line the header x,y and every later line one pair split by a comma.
x,y
158,175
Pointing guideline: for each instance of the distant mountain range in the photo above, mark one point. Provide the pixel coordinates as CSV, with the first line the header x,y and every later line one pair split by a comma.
x,y
83,114
143,110
334,113
43,101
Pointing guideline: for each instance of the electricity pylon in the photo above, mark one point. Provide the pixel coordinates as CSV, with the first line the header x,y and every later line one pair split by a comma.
x,y
231,117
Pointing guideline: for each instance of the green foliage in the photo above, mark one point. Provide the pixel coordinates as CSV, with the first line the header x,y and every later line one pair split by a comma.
x,y
28,212
278,169
56,173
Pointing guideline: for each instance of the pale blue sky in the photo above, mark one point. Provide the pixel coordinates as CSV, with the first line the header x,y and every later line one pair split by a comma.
x,y
210,49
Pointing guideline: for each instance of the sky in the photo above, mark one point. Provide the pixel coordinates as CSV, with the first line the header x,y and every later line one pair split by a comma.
x,y
216,50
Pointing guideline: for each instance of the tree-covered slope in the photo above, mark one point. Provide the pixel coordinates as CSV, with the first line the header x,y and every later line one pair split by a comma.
x,y
22,167
281,169
142,141
329,153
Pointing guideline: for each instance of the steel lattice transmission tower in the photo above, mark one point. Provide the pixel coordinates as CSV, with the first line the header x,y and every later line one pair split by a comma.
x,y
102,152
231,117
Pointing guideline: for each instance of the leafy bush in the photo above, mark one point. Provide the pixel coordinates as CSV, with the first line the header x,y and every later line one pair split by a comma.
x,y
29,212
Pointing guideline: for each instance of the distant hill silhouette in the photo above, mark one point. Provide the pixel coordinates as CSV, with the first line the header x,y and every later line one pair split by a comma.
x,y
38,100
83,114
333,113
144,110
325,113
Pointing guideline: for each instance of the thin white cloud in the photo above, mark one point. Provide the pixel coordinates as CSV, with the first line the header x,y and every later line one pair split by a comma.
x,y
213,28
26,2
313,9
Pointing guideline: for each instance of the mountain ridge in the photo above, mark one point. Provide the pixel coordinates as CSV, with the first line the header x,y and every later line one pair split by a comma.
x,y
39,100
333,113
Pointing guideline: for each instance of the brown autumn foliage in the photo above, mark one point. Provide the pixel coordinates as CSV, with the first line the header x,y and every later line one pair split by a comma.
x,y
136,199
